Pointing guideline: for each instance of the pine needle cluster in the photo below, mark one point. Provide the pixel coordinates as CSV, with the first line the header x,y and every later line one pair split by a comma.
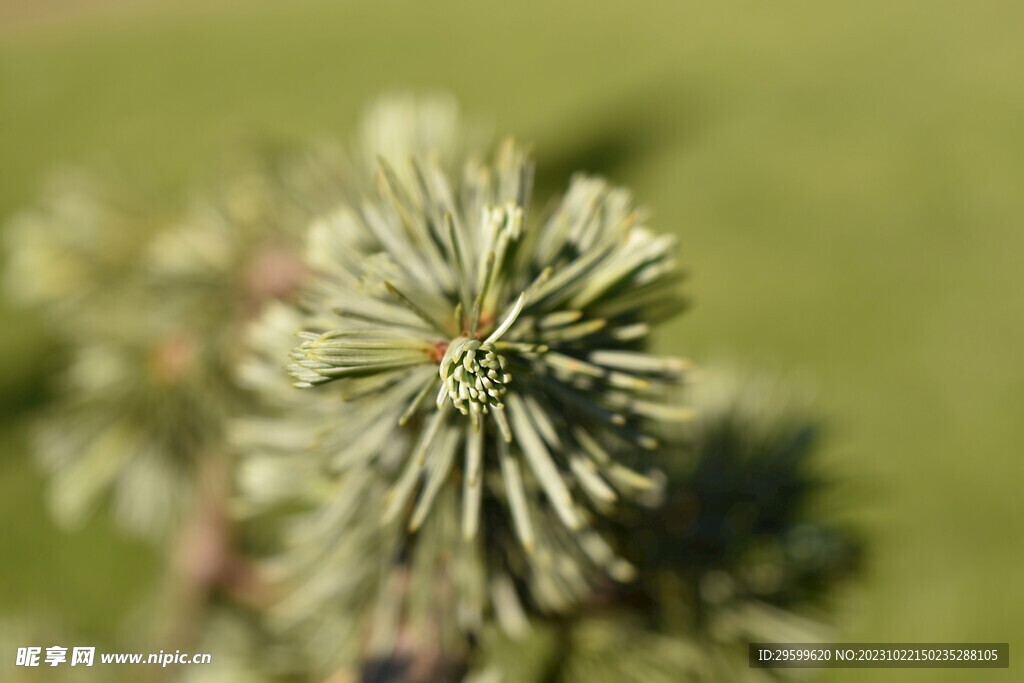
x,y
441,445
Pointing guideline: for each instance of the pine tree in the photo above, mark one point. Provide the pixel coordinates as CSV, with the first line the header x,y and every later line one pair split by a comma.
x,y
392,422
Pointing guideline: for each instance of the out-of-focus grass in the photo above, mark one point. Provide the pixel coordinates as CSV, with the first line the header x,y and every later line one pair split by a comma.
x,y
846,183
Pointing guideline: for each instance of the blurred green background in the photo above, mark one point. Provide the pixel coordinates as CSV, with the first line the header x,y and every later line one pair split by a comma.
x,y
847,181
